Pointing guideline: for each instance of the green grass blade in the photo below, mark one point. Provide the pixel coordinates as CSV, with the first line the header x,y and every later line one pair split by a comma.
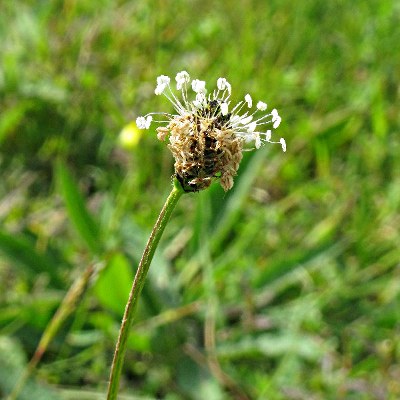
x,y
12,364
80,217
21,251
234,204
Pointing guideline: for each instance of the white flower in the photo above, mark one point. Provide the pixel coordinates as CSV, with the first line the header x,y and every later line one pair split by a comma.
x,y
249,126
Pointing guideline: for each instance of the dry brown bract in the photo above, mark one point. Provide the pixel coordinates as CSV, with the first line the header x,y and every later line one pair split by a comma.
x,y
203,148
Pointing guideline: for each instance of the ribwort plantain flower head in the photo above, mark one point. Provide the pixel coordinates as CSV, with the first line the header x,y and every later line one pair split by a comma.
x,y
208,134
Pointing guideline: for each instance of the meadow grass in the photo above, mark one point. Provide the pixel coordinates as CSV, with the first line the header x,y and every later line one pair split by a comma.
x,y
286,287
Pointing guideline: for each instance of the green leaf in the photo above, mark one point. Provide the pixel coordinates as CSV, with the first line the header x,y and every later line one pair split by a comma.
x,y
113,285
21,250
276,345
12,364
80,217
286,263
229,211
9,119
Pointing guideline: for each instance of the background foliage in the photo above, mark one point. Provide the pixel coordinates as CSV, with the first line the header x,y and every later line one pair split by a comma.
x,y
287,287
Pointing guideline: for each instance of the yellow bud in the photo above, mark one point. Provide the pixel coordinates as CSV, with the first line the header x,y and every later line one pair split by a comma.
x,y
129,136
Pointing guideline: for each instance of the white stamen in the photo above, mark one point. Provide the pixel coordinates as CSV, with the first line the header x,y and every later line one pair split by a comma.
x,y
247,120
148,121
224,108
235,119
274,114
200,100
261,106
223,84
283,144
248,138
141,122
277,121
252,127
243,124
197,104
163,80
199,86
181,78
248,100
257,140
160,89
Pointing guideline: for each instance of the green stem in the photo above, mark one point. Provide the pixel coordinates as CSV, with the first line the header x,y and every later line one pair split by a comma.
x,y
152,243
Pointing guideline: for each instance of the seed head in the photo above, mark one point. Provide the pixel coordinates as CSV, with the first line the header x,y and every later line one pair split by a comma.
x,y
207,136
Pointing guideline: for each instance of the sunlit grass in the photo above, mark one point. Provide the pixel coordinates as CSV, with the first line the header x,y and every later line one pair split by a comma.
x,y
294,273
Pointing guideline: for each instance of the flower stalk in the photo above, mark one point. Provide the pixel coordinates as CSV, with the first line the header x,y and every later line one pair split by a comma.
x,y
138,283
206,137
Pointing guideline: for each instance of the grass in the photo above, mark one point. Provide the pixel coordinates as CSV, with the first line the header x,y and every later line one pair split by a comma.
x,y
287,287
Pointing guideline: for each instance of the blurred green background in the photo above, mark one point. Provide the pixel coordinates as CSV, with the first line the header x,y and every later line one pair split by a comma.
x,y
288,286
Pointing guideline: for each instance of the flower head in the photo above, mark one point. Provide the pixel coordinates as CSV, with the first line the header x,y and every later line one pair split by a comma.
x,y
207,135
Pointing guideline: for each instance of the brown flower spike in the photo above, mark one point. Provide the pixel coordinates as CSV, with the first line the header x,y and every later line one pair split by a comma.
x,y
206,139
